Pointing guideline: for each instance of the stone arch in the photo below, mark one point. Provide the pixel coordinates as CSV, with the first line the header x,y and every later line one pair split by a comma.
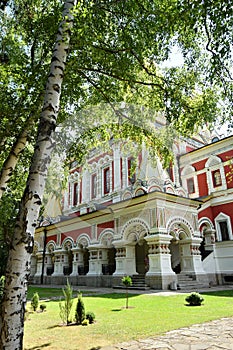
x,y
181,192
154,188
179,228
105,160
205,223
50,257
133,233
213,160
135,230
83,241
168,186
140,191
106,238
68,243
155,182
181,231
127,195
50,246
188,169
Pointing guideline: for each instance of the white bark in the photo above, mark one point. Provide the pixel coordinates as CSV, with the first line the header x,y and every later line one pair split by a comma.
x,y
11,161
18,267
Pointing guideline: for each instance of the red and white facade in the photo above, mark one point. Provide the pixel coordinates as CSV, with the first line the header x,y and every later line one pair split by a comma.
x,y
162,224
209,171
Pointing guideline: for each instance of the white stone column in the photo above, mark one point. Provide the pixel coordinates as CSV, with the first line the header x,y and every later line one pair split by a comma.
x,y
77,261
130,260
117,167
47,263
39,262
61,260
120,261
209,235
159,255
98,257
191,256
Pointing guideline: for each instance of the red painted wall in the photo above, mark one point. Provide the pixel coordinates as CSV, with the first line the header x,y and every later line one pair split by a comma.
x,y
202,184
103,226
76,233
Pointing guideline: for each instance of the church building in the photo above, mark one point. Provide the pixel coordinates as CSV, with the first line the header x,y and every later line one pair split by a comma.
x,y
166,228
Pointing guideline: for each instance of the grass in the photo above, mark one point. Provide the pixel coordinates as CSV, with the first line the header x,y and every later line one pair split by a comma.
x,y
49,293
148,315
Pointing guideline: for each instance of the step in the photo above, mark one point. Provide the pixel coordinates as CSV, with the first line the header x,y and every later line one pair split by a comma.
x,y
138,283
186,282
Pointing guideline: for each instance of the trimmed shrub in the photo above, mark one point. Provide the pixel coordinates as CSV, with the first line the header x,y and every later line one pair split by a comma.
x,y
90,316
80,310
35,301
42,307
194,299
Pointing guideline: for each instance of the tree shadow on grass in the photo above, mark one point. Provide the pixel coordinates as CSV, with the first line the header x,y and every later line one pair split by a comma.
x,y
115,310
39,347
54,326
114,295
220,293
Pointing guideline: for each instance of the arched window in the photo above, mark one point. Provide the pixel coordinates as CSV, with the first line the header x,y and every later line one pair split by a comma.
x,y
106,180
75,194
93,186
189,181
215,174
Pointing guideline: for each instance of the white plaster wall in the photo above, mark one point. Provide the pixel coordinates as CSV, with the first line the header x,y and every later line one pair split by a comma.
x,y
224,256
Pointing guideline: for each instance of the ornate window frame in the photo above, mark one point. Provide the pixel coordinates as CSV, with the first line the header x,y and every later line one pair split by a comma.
x,y
74,189
214,164
223,218
188,173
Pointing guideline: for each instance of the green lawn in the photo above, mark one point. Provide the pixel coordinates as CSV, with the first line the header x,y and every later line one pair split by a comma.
x,y
147,315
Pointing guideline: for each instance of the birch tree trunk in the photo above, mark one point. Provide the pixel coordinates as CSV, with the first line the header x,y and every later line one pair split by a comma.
x,y
18,266
11,161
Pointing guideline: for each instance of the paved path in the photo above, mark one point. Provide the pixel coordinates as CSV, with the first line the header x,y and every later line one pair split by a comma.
x,y
214,335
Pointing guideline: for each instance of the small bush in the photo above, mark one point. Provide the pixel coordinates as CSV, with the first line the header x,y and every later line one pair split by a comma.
x,y
80,310
42,307
90,316
194,299
35,301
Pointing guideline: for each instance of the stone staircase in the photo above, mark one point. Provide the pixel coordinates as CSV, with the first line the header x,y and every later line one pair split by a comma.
x,y
138,283
189,283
